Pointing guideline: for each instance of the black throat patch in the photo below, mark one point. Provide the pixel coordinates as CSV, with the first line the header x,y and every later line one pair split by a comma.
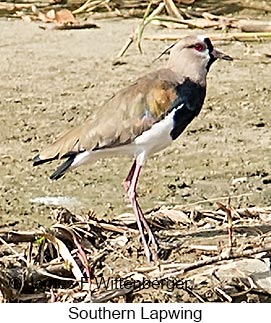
x,y
190,98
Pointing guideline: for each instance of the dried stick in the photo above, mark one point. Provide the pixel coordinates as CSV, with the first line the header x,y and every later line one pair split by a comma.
x,y
21,6
91,5
172,9
217,198
238,36
86,25
13,250
140,28
82,8
19,236
254,26
216,259
229,212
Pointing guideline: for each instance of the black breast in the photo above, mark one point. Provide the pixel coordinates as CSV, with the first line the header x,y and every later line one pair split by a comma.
x,y
190,98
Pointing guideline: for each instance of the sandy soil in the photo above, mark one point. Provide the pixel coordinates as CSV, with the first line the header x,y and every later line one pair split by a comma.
x,y
52,80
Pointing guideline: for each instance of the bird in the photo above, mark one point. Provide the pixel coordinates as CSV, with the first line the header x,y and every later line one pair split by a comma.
x,y
141,120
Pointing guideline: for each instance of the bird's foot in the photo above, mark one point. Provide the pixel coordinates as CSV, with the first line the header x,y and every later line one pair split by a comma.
x,y
148,239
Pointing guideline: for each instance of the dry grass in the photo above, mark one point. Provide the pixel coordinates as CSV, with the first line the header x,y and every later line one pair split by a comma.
x,y
205,256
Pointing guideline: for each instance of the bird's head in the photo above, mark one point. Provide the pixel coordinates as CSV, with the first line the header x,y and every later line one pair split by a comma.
x,y
192,57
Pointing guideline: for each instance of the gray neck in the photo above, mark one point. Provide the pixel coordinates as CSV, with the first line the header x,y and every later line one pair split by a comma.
x,y
185,67
192,71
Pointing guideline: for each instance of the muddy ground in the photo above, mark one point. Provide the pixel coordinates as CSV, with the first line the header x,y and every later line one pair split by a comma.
x,y
53,80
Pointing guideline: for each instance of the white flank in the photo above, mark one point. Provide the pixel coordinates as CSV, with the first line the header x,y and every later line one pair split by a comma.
x,y
158,136
82,158
92,156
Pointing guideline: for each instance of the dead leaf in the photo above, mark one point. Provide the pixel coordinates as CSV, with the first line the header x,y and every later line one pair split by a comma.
x,y
66,255
65,16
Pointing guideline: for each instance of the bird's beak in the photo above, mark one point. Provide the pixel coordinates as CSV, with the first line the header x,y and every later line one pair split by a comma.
x,y
217,54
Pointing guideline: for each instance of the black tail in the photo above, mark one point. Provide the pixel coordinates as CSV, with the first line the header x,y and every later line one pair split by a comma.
x,y
61,170
37,161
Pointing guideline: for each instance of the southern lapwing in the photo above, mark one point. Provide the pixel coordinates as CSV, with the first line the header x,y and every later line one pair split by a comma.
x,y
140,120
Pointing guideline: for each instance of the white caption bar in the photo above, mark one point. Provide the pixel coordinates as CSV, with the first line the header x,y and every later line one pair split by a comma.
x,y
148,313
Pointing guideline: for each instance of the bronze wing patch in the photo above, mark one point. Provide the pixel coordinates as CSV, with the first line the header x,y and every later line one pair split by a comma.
x,y
128,114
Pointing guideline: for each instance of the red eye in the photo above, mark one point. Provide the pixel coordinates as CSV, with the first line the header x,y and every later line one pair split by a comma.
x,y
199,47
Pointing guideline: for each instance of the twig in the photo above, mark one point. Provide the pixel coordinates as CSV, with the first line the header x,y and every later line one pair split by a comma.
x,y
19,236
140,28
238,36
13,250
172,9
86,25
20,6
82,8
263,7
91,5
222,294
253,25
190,290
229,212
218,198
213,260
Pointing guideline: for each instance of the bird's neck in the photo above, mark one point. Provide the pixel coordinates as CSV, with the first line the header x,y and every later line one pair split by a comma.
x,y
196,74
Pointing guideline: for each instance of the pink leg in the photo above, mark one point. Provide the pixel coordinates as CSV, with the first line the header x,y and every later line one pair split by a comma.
x,y
150,246
127,181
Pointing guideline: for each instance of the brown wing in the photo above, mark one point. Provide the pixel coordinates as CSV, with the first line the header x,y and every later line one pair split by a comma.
x,y
124,117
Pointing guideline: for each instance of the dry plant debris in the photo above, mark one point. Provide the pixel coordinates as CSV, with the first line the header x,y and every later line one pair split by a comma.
x,y
221,255
172,14
168,14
